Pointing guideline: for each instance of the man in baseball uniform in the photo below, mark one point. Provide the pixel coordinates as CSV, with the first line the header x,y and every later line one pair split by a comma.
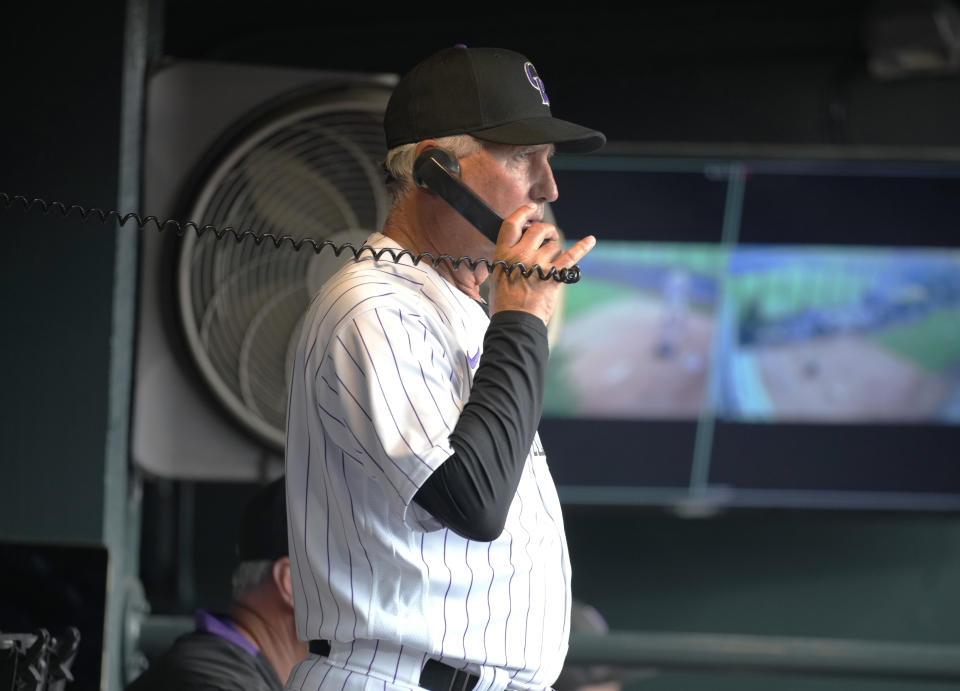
x,y
426,536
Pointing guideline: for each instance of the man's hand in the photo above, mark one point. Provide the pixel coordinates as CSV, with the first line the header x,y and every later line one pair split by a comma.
x,y
538,244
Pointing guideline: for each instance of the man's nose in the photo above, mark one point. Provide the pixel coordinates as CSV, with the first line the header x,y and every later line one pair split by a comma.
x,y
545,187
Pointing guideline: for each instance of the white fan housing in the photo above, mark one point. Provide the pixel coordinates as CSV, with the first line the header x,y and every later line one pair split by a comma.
x,y
292,153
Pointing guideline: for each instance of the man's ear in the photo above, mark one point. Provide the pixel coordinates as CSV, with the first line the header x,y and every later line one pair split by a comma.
x,y
424,145
282,579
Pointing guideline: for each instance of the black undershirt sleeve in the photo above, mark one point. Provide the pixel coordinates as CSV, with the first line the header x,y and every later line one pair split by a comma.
x,y
472,490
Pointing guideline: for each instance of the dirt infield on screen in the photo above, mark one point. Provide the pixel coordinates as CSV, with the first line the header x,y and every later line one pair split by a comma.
x,y
868,337
636,336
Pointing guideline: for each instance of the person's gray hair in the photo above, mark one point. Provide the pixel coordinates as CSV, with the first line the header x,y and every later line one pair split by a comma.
x,y
400,159
250,574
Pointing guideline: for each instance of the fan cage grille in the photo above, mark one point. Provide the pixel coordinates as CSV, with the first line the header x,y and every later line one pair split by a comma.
x,y
312,173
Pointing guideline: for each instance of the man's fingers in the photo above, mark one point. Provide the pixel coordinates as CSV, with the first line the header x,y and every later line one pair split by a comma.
x,y
538,235
556,252
576,253
539,243
512,229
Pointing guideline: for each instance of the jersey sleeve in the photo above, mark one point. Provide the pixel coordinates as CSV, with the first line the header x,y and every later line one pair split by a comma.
x,y
390,395
471,493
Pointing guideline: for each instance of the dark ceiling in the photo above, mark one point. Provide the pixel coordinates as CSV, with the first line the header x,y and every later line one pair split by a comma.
x,y
391,38
683,70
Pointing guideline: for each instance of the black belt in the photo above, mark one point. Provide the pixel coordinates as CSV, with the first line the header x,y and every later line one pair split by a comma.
x,y
435,676
320,648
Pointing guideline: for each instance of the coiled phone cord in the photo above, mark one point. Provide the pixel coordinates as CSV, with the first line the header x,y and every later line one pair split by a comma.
x,y
7,201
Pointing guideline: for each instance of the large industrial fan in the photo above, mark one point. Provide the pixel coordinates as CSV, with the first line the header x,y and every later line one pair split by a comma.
x,y
287,153
310,173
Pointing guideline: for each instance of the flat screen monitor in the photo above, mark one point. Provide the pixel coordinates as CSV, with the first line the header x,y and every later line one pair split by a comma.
x,y
758,333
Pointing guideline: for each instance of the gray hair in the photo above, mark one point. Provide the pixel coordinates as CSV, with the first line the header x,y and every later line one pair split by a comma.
x,y
400,159
250,574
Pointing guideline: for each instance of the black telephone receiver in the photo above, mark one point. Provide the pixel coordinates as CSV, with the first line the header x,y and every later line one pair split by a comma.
x,y
437,170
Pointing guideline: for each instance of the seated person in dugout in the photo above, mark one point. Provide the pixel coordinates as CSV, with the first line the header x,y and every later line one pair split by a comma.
x,y
253,646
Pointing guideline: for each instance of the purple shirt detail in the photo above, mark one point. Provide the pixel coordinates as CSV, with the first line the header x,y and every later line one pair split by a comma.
x,y
205,621
472,360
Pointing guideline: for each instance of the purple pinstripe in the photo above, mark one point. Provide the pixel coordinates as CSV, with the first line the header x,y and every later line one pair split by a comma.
x,y
350,393
379,467
365,452
506,628
306,516
556,525
326,493
423,377
340,297
353,602
352,310
350,654
443,315
466,600
310,671
526,619
409,342
396,366
396,667
350,355
373,657
306,484
396,275
486,654
384,394
443,639
450,291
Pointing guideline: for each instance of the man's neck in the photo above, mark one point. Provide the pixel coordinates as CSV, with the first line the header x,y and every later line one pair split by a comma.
x,y
466,280
273,633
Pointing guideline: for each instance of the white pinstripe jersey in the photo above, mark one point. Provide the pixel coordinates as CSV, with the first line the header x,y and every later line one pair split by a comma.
x,y
383,369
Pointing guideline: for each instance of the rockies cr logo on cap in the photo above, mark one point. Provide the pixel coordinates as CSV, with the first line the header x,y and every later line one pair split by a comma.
x,y
536,82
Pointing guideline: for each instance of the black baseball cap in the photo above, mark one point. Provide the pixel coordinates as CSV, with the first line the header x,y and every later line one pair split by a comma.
x,y
493,94
262,533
